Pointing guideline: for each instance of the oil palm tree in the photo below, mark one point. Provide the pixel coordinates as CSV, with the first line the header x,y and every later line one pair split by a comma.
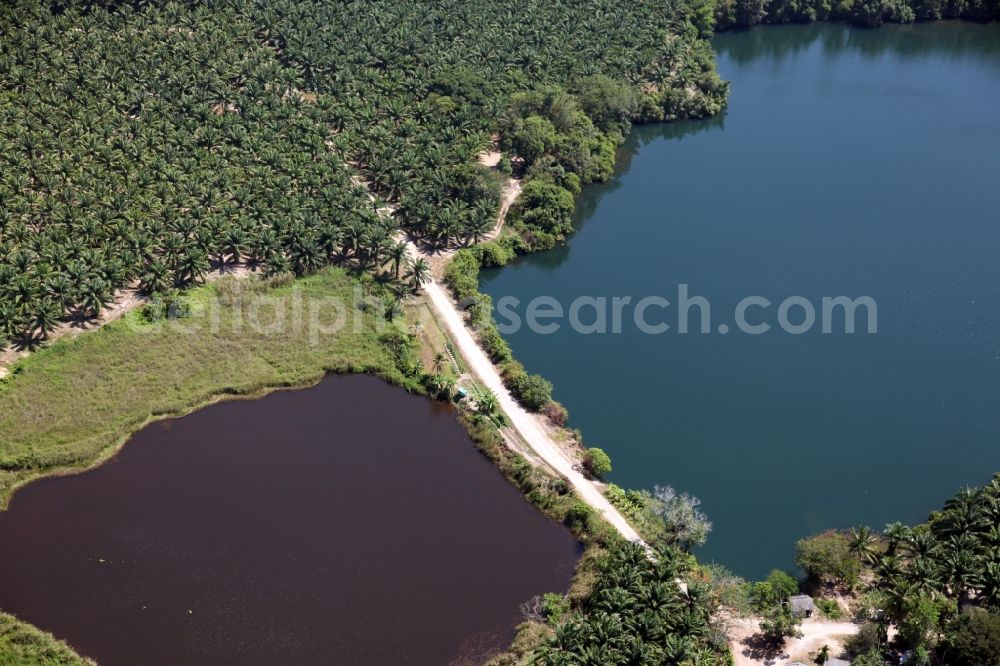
x,y
864,544
155,279
418,273
45,318
399,254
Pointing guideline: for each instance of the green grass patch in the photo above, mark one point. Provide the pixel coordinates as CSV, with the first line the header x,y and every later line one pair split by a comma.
x,y
72,404
24,645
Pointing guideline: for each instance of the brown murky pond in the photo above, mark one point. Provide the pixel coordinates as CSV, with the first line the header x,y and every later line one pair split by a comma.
x,y
349,523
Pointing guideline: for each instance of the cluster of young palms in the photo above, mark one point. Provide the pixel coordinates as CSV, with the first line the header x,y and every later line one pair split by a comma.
x,y
954,557
639,614
143,143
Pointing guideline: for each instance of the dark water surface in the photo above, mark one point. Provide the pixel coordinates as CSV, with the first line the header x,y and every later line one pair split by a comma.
x,y
850,162
349,523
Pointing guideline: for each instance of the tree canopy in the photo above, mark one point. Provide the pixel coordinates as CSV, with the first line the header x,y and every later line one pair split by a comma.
x,y
638,613
144,143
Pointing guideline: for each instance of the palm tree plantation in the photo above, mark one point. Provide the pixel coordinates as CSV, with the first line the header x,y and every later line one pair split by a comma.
x,y
168,165
145,143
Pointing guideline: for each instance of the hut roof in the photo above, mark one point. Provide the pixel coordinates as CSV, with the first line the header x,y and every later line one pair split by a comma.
x,y
801,603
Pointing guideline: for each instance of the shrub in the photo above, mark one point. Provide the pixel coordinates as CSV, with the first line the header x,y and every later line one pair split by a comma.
x,y
974,638
629,503
512,371
462,274
578,517
496,253
784,585
556,413
554,606
762,597
920,620
480,310
533,391
597,462
779,623
170,306
870,658
829,608
732,591
867,640
685,523
827,557
532,137
494,344
546,206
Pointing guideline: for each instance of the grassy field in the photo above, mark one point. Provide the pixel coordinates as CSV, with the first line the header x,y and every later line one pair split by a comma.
x,y
23,645
73,404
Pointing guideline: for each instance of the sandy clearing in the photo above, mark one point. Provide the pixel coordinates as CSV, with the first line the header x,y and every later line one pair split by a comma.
x,y
816,632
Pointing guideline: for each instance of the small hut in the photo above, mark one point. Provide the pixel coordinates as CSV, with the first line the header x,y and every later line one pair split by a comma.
x,y
802,605
837,662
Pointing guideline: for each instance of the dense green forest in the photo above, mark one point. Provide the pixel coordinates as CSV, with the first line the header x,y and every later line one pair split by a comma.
x,y
871,13
146,143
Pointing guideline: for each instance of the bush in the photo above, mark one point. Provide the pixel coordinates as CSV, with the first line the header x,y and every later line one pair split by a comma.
x,y
512,371
496,253
867,640
556,413
533,391
870,658
784,585
762,597
170,306
462,274
779,623
578,517
554,607
494,344
546,206
919,624
732,591
597,462
973,639
532,137
829,608
772,592
827,557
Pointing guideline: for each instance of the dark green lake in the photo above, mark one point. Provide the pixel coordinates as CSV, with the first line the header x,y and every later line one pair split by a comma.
x,y
849,162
